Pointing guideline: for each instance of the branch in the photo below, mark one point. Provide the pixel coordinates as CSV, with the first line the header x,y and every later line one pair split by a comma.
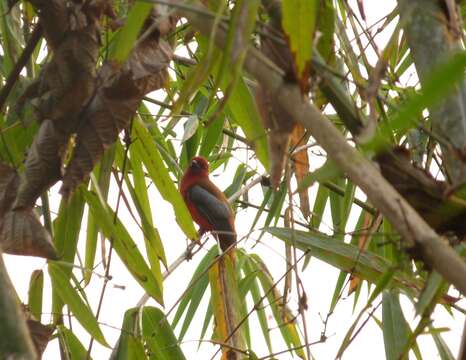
x,y
360,170
23,59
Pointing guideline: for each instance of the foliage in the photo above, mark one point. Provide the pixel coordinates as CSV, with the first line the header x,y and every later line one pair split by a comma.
x,y
126,93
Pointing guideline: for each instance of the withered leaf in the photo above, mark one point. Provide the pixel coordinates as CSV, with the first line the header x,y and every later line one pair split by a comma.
x,y
9,180
274,118
40,335
114,104
63,88
43,164
21,232
301,166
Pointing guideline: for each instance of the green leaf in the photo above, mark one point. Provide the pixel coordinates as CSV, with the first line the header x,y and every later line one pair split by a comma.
x,y
299,22
124,246
195,291
242,108
443,349
102,173
282,314
395,328
130,345
69,295
71,344
381,285
126,38
190,127
327,172
256,296
364,264
154,246
441,82
434,288
238,180
211,136
158,334
67,227
36,287
161,178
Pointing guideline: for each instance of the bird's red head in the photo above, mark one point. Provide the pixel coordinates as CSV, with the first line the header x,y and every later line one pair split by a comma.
x,y
199,166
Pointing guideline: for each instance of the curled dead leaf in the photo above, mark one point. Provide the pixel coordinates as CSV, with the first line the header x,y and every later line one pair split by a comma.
x,y
64,87
40,335
301,166
43,165
21,232
114,105
274,118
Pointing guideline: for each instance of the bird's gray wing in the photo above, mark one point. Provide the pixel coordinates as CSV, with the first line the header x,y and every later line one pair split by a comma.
x,y
214,210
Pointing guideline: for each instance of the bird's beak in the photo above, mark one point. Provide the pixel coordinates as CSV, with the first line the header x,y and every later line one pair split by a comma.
x,y
195,164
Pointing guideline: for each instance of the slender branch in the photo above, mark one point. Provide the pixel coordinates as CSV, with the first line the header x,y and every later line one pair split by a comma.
x,y
360,170
245,189
22,61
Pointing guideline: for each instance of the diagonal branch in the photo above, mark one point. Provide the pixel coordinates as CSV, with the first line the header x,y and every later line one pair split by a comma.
x,y
360,170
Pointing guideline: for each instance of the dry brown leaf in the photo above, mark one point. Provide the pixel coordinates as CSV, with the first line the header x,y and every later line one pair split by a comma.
x,y
274,118
8,186
114,105
225,305
301,166
40,333
21,232
43,165
63,88
362,242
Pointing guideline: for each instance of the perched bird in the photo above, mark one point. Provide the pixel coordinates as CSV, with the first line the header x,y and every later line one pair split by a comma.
x,y
207,204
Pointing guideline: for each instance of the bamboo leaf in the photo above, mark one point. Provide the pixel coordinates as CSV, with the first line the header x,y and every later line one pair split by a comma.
x,y
130,345
102,174
124,246
226,303
71,344
159,174
126,38
67,227
69,295
440,83
346,257
395,329
282,314
299,22
158,335
443,349
36,287
327,172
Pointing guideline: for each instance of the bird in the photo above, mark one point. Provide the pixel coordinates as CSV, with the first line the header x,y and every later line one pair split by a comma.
x,y
207,204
